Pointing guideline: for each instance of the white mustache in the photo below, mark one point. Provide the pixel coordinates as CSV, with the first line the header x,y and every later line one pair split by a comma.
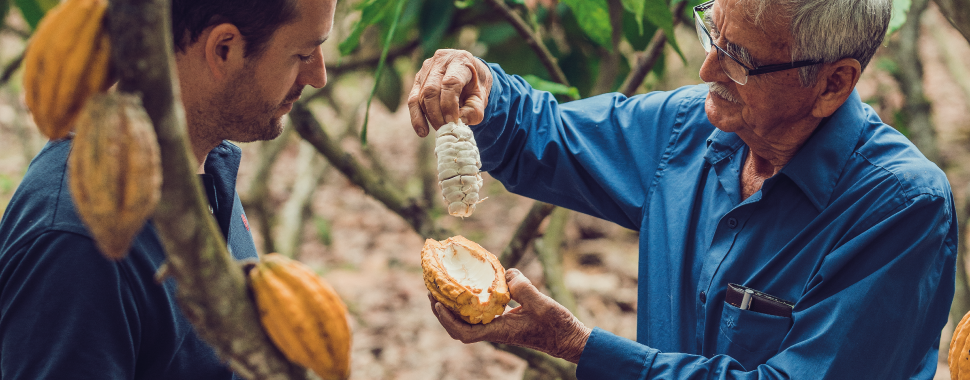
x,y
722,91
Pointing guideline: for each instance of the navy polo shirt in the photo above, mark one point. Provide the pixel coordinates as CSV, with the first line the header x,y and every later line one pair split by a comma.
x,y
858,231
66,312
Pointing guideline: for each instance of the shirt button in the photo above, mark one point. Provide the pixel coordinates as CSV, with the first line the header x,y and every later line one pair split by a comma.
x,y
703,297
732,222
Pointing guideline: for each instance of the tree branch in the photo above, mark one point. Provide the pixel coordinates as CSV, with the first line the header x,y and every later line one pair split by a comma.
x,y
410,210
649,56
548,251
293,213
556,367
257,198
525,234
916,108
957,12
354,62
211,288
11,68
532,39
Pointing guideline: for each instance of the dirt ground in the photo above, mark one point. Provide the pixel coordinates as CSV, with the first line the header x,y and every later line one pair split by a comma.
x,y
371,256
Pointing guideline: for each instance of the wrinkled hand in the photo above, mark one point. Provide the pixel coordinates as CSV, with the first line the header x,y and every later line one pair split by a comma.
x,y
452,84
539,323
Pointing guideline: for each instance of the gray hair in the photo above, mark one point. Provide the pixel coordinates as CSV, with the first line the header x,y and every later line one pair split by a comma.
x,y
829,30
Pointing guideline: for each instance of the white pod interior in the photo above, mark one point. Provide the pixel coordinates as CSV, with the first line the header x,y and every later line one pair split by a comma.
x,y
468,269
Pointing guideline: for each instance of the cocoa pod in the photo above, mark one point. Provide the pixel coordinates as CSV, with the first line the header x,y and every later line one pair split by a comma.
x,y
302,315
466,278
114,170
67,61
958,357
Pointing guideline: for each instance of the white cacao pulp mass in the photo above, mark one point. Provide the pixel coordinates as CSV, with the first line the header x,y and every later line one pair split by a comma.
x,y
458,166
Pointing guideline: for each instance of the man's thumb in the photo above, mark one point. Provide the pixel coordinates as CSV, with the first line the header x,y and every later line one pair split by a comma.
x,y
520,288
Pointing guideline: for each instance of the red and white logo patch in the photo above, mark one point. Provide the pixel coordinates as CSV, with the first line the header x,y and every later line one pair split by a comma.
x,y
245,222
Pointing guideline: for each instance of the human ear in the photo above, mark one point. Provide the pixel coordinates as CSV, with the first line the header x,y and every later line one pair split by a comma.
x,y
224,48
837,82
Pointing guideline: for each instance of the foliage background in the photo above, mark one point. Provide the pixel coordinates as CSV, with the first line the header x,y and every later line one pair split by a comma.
x,y
299,204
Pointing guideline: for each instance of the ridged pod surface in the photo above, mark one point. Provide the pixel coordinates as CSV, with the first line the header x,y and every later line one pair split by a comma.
x,y
67,61
302,315
959,353
115,172
458,165
465,278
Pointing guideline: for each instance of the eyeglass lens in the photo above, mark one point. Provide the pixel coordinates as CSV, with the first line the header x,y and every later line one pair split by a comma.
x,y
730,67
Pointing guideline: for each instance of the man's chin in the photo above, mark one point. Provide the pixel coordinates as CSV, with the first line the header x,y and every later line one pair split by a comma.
x,y
717,112
269,132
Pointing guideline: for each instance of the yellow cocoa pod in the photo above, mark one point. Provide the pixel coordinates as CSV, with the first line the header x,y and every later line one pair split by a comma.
x,y
302,315
958,358
466,278
114,170
67,61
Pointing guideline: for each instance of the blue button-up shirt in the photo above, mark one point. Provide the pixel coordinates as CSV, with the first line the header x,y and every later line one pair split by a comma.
x,y
858,231
67,312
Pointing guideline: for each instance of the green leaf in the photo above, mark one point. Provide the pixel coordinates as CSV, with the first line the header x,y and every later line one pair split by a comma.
x,y
324,230
435,18
658,12
33,10
4,9
594,17
552,87
464,4
494,34
638,39
371,12
635,7
390,88
900,9
380,65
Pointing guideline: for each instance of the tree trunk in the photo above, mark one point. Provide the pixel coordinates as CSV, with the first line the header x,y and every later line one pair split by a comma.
x,y
211,288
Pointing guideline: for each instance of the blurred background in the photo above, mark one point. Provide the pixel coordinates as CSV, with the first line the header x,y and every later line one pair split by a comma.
x,y
359,212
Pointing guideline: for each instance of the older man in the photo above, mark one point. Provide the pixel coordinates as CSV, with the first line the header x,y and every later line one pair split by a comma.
x,y
785,231
66,312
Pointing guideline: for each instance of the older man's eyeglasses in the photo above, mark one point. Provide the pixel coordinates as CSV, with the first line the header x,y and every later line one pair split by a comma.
x,y
733,67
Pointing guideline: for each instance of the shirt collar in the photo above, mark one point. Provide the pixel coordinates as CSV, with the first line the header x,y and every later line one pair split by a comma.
x,y
816,167
222,163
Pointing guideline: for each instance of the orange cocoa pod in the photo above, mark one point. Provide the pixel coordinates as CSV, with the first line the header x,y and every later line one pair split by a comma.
x,y
958,358
302,315
67,61
114,170
466,278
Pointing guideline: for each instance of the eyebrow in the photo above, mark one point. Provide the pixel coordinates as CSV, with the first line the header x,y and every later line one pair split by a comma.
x,y
318,42
737,51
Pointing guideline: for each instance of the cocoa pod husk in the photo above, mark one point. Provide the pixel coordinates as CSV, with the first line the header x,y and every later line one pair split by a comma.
x,y
302,314
114,170
68,59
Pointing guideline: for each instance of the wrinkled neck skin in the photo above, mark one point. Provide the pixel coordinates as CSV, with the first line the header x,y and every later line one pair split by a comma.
x,y
767,155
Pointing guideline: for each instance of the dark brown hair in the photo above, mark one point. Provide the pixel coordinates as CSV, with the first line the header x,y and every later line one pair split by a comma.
x,y
256,20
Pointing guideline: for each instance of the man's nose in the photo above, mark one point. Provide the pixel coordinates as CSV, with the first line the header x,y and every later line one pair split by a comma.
x,y
711,68
315,72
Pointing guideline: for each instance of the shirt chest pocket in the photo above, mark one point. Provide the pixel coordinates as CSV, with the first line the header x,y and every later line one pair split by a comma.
x,y
750,337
